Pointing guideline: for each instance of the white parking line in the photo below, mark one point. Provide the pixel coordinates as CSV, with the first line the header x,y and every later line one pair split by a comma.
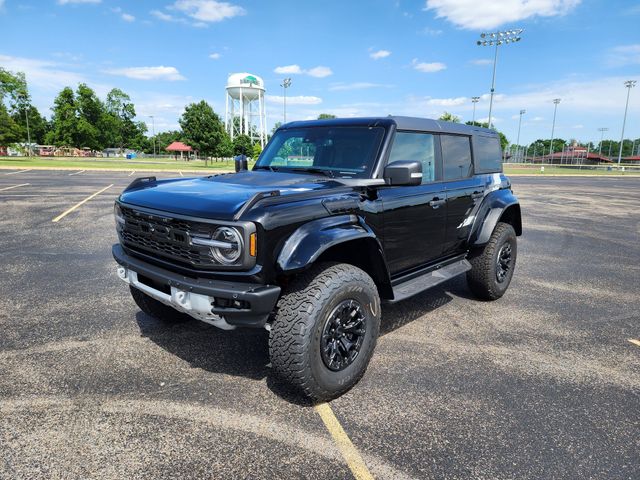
x,y
14,186
634,341
181,174
132,172
21,171
67,212
77,173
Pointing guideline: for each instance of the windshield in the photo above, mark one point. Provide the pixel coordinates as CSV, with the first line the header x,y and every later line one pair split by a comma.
x,y
335,151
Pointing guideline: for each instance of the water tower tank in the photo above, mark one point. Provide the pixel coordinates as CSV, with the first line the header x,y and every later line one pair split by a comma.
x,y
245,111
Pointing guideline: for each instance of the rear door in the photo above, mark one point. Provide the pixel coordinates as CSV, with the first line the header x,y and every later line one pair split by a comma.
x,y
414,216
463,190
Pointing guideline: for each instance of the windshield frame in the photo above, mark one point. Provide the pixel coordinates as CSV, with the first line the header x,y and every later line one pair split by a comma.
x,y
330,171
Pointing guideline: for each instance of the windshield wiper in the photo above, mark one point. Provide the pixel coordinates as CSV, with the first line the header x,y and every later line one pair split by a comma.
x,y
326,173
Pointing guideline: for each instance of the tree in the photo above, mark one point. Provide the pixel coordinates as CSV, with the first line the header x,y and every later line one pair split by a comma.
x,y
38,125
202,128
90,114
449,117
257,150
64,123
326,116
14,101
242,145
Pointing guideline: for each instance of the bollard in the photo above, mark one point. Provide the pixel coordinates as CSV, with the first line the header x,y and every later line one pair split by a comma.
x,y
541,169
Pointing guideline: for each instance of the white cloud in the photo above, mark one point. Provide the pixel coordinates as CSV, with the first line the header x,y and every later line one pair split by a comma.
x,y
209,11
42,73
623,55
318,72
474,14
430,31
69,2
481,62
128,18
148,73
288,70
427,67
299,100
447,102
356,86
163,16
380,54
214,56
537,119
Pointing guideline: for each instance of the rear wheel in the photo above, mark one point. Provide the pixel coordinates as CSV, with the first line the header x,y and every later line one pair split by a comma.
x,y
492,266
325,330
156,309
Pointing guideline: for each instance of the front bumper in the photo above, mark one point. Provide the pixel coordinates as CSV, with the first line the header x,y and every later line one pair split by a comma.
x,y
199,297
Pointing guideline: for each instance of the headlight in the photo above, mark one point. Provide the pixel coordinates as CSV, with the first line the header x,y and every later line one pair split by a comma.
x,y
226,245
119,218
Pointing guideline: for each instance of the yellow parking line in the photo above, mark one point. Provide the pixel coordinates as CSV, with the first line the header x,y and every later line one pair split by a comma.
x,y
21,171
64,214
14,186
347,449
634,341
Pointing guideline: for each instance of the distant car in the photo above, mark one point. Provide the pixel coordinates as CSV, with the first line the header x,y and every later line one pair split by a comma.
x,y
336,216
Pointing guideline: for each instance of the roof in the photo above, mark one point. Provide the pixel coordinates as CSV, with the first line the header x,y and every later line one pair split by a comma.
x,y
402,123
579,154
178,147
634,158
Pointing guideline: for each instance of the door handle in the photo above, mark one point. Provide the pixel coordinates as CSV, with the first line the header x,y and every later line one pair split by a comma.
x,y
436,202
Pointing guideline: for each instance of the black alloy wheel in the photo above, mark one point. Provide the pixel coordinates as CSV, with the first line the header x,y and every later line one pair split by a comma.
x,y
503,262
343,334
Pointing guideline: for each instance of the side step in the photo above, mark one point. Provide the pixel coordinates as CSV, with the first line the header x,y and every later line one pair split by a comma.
x,y
428,280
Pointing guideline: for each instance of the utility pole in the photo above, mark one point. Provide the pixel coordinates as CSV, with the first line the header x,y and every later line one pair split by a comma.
x,y
497,39
556,101
522,112
629,84
474,100
601,130
286,83
153,133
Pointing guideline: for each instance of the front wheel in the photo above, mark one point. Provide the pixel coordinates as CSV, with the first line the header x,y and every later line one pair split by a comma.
x,y
492,266
325,330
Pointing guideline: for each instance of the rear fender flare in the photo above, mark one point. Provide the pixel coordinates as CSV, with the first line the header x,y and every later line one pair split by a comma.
x,y
492,210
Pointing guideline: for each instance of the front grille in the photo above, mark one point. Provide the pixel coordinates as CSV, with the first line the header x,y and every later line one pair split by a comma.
x,y
169,238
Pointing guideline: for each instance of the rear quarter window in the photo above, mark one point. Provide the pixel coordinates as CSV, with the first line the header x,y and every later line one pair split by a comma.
x,y
487,154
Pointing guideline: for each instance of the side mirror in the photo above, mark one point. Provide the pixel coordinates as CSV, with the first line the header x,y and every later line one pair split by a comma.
x,y
403,172
241,163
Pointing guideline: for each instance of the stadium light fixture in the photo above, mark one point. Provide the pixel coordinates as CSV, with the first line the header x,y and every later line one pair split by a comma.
x,y
556,101
497,39
601,130
286,83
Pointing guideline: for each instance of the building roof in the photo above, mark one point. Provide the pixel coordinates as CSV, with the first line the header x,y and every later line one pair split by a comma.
x,y
178,147
634,158
579,154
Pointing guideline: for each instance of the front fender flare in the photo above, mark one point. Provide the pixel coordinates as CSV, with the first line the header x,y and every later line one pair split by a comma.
x,y
310,240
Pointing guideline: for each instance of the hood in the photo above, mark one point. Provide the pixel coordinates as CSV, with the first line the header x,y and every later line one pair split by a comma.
x,y
219,197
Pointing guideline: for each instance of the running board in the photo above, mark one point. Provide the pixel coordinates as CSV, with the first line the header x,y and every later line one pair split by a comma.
x,y
428,280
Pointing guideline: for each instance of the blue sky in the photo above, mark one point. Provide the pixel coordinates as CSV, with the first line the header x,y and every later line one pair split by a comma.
x,y
349,58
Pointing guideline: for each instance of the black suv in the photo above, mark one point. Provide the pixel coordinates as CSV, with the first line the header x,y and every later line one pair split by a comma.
x,y
335,217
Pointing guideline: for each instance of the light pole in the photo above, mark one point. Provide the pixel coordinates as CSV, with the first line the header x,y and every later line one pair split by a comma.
x,y
629,84
26,117
601,130
556,101
153,133
497,39
474,100
286,83
522,112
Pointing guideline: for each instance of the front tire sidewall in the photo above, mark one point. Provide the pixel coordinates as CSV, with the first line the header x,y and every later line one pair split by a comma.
x,y
508,236
326,378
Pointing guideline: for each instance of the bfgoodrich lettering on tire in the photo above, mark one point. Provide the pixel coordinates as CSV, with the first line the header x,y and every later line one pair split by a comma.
x,y
325,330
492,266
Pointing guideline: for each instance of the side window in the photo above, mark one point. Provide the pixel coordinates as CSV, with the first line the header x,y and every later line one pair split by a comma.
x,y
487,154
418,147
456,154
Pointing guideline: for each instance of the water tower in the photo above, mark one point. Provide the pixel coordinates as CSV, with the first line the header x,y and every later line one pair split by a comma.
x,y
245,113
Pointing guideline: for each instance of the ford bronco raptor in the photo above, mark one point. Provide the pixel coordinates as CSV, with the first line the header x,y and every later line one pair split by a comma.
x,y
335,217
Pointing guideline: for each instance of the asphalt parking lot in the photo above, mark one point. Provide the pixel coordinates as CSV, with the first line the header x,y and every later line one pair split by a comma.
x,y
543,383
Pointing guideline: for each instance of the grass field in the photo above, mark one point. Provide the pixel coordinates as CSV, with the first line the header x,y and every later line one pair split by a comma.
x,y
114,163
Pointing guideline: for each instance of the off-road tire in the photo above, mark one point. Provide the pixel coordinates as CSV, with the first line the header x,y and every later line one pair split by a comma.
x,y
301,314
156,309
482,278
